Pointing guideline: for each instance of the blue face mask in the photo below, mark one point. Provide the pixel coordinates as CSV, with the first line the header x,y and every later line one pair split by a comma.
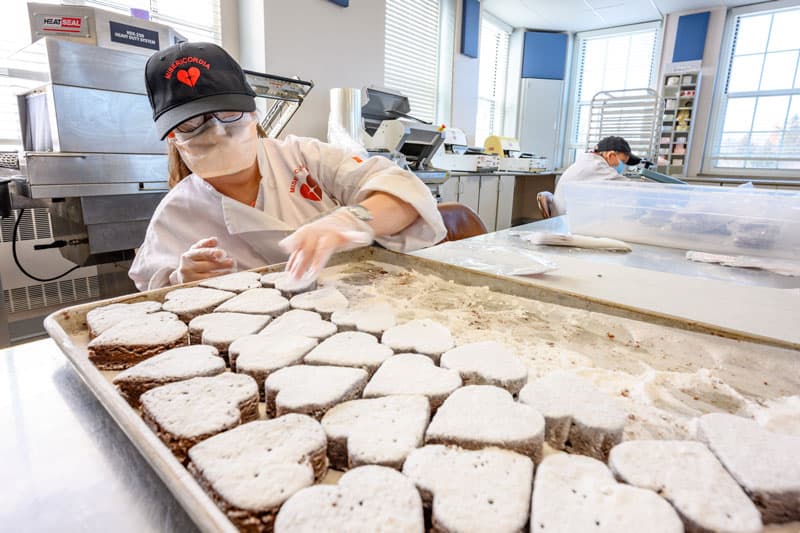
x,y
621,167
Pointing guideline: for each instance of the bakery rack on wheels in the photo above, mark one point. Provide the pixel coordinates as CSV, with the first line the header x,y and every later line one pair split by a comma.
x,y
631,114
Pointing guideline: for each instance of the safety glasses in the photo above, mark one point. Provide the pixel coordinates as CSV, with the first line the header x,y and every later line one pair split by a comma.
x,y
192,124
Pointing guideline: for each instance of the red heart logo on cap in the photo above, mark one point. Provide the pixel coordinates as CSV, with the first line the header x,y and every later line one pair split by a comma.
x,y
311,190
189,77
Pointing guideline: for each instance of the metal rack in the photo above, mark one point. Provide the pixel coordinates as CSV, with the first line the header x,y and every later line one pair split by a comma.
x,y
630,113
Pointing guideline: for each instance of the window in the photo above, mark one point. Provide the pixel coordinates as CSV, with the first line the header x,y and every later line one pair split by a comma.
x,y
197,20
492,78
757,122
412,53
608,60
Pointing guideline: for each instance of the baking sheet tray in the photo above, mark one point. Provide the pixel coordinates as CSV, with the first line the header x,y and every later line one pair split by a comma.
x,y
619,341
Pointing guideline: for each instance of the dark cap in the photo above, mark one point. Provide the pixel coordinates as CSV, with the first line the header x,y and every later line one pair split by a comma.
x,y
190,79
617,144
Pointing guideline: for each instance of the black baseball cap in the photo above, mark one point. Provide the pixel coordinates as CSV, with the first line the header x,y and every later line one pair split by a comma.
x,y
190,79
617,144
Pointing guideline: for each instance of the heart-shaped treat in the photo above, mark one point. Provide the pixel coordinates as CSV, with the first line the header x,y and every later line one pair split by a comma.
x,y
411,373
483,490
380,431
311,390
763,462
373,319
578,417
173,365
300,322
351,348
133,340
284,282
100,319
687,475
236,282
261,355
487,363
367,499
221,329
424,336
576,494
251,470
190,302
256,302
186,412
324,301
478,416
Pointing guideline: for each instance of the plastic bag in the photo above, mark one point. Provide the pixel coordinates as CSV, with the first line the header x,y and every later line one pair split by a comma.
x,y
491,259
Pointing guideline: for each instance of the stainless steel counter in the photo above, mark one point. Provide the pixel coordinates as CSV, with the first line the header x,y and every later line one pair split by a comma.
x,y
654,258
65,464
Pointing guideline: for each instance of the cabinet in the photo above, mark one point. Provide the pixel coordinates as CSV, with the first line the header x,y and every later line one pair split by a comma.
x,y
489,195
678,109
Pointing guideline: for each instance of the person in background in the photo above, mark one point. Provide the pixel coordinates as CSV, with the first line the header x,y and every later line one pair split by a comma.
x,y
606,162
239,200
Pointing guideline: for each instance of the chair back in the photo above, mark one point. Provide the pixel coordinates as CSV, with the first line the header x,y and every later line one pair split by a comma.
x,y
461,221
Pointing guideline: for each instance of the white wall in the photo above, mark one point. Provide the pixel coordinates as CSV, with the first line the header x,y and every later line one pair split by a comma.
x,y
314,40
465,87
708,71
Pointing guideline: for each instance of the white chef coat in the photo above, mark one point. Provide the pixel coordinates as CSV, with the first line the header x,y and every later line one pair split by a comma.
x,y
301,178
588,166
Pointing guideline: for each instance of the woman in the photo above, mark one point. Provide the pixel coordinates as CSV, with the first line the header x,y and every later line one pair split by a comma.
x,y
235,196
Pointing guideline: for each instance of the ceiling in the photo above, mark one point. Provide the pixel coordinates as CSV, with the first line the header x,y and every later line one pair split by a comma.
x,y
581,15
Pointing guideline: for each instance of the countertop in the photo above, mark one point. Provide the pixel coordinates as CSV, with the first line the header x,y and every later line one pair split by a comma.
x,y
653,278
65,464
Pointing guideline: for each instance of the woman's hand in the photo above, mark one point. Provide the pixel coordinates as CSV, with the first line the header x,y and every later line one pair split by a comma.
x,y
311,246
202,260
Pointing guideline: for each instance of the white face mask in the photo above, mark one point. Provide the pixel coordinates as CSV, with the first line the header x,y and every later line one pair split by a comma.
x,y
219,149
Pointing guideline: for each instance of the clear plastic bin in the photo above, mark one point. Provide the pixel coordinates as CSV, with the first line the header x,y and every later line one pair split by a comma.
x,y
726,220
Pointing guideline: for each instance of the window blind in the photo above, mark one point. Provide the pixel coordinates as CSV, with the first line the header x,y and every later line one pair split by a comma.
x,y
609,61
493,77
411,56
197,20
757,128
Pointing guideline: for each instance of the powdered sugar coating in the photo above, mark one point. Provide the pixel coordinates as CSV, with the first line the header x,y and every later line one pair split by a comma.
x,y
367,499
324,301
236,282
284,283
300,322
380,431
423,336
200,406
487,363
688,475
190,302
576,494
175,364
221,329
483,415
763,462
579,417
413,374
269,352
311,389
154,329
484,490
374,319
258,465
351,348
256,301
100,319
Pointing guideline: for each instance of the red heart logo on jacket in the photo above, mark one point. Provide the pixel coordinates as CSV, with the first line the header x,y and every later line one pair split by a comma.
x,y
189,77
311,190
